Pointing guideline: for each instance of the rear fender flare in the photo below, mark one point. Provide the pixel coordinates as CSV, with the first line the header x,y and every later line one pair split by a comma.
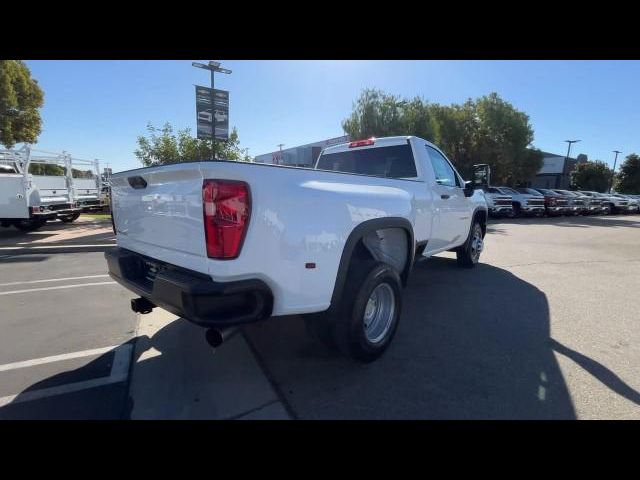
x,y
357,234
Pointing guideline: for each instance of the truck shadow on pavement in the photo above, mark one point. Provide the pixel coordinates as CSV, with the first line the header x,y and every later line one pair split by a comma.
x,y
471,344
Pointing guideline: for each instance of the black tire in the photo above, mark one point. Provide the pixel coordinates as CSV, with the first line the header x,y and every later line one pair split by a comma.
x,y
29,225
349,332
70,218
468,255
517,210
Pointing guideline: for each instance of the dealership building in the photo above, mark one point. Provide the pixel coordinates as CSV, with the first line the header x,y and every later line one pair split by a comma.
x,y
302,156
555,172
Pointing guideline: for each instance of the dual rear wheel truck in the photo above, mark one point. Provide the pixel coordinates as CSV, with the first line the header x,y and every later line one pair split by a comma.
x,y
223,244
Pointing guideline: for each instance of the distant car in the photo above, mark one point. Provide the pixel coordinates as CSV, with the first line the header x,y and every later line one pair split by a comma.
x,y
577,204
633,206
525,201
593,204
610,203
499,204
554,203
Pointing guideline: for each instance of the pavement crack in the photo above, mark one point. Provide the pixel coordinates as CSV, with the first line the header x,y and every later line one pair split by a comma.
x,y
251,410
276,388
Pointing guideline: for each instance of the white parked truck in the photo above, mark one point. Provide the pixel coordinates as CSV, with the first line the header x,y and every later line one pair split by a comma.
x,y
227,243
87,185
34,187
499,203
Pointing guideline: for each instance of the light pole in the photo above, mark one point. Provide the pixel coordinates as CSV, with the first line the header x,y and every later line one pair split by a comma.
x,y
212,67
566,161
615,160
280,145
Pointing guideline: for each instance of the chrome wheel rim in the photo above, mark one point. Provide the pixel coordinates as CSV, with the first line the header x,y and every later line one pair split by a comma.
x,y
476,244
379,313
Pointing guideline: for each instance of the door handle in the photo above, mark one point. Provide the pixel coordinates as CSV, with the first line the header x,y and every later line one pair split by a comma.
x,y
444,196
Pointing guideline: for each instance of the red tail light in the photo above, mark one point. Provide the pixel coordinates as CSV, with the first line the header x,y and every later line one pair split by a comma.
x,y
226,209
362,143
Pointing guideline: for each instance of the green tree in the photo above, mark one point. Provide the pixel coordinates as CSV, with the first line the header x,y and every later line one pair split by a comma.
x,y
162,146
503,136
628,178
375,113
591,176
485,130
20,100
46,169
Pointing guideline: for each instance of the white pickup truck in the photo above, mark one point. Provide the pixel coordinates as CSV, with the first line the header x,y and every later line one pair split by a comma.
x,y
227,243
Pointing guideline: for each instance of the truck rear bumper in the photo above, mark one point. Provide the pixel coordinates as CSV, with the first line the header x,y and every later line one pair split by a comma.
x,y
190,295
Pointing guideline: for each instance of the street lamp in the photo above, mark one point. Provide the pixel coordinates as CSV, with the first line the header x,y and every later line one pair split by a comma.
x,y
280,145
569,149
213,67
566,161
614,169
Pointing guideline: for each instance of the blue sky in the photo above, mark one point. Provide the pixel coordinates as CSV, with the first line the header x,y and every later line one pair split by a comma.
x,y
96,109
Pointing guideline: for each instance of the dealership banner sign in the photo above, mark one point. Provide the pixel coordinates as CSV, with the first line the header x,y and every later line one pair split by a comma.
x,y
207,113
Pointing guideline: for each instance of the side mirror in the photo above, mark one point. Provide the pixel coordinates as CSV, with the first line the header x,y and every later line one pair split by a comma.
x,y
481,175
469,188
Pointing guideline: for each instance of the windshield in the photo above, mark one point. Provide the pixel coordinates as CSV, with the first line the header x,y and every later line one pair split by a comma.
x,y
392,162
508,191
7,169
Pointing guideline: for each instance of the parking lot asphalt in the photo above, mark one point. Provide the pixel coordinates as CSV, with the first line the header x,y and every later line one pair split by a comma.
x,y
544,328
65,347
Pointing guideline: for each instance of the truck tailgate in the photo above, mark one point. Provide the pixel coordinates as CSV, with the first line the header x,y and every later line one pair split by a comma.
x,y
162,216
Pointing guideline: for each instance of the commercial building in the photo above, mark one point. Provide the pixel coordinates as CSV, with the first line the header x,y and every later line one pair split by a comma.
x,y
556,171
302,156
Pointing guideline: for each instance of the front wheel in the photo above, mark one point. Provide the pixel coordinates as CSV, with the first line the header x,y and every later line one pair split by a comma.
x,y
29,224
517,210
70,218
370,311
468,255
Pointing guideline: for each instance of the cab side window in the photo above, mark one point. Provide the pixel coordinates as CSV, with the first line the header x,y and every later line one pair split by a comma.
x,y
445,175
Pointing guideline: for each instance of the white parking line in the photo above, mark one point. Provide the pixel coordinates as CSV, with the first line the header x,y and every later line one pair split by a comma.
x,y
58,246
55,358
119,372
58,288
53,280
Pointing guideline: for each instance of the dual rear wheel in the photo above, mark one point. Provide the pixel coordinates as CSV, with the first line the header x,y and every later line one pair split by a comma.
x,y
366,319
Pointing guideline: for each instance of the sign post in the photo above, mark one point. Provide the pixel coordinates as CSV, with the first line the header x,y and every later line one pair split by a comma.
x,y
218,108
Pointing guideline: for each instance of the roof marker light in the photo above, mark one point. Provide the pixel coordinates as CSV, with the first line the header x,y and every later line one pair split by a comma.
x,y
362,143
